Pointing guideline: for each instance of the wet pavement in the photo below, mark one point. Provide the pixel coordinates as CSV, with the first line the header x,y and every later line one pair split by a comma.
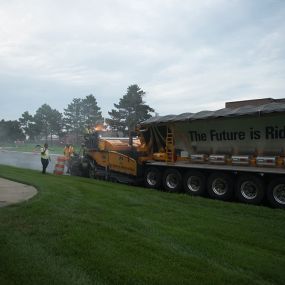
x,y
28,160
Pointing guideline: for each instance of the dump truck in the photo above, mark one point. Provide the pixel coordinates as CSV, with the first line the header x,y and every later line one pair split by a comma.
x,y
228,154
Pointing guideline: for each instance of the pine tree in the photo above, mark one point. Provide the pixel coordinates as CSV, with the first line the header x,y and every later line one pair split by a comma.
x,y
130,111
91,111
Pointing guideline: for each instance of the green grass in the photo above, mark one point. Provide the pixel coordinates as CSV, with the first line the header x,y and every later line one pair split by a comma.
x,y
83,231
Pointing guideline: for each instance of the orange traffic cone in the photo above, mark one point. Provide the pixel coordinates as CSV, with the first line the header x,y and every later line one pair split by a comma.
x,y
59,167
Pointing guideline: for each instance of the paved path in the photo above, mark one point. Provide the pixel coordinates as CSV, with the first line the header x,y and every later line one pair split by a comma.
x,y
13,192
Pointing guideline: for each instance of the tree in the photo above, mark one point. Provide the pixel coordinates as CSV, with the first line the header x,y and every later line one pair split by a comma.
x,y
80,114
130,111
48,120
56,123
91,112
42,117
10,131
74,117
29,126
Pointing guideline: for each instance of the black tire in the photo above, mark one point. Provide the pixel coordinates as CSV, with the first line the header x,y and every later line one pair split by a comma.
x,y
75,169
250,189
84,167
152,178
220,186
172,180
92,172
276,193
85,171
92,169
194,183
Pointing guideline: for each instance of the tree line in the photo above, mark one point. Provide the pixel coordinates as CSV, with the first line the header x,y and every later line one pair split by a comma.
x,y
79,116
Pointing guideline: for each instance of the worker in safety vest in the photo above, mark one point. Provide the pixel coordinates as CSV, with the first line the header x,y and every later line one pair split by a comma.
x,y
45,158
68,153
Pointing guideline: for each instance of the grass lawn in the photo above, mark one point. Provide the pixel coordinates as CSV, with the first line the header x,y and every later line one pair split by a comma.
x,y
83,231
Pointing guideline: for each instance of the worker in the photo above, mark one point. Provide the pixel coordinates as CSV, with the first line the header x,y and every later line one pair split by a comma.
x,y
45,158
68,153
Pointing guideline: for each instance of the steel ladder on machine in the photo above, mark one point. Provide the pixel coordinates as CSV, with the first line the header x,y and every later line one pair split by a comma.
x,y
169,146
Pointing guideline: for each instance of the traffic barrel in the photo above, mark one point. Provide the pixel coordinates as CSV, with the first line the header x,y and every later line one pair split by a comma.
x,y
59,166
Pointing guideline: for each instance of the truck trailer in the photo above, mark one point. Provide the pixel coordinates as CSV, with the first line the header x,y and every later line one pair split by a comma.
x,y
228,154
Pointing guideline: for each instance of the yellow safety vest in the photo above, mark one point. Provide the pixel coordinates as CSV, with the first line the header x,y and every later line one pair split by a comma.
x,y
68,152
44,153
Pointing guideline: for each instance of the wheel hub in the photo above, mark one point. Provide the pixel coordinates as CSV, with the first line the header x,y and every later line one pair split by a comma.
x,y
249,190
171,181
193,184
279,193
151,179
219,186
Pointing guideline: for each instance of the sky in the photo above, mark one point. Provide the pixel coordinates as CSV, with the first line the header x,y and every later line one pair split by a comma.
x,y
187,55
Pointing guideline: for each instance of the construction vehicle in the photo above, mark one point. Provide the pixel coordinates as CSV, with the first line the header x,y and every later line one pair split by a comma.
x,y
229,154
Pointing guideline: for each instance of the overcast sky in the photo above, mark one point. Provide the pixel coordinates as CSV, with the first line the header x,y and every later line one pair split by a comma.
x,y
187,55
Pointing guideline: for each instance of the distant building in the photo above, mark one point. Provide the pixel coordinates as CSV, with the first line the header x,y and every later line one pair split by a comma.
x,y
253,102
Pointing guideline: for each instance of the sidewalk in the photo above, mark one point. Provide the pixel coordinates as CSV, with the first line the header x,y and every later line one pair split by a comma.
x,y
13,192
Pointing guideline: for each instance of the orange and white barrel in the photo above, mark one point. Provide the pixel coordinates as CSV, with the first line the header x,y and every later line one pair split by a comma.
x,y
59,166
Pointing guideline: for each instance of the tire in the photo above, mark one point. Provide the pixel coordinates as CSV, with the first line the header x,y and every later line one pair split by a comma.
x,y
220,186
152,178
194,183
84,171
75,169
276,193
172,180
250,189
84,167
92,172
92,169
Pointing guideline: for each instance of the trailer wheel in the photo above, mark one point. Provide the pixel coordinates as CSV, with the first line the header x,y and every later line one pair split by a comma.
x,y
194,183
172,180
152,178
276,193
220,186
250,189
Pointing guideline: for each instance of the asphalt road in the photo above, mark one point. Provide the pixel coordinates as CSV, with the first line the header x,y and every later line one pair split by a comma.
x,y
28,160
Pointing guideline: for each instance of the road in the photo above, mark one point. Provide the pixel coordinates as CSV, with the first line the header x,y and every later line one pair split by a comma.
x,y
28,160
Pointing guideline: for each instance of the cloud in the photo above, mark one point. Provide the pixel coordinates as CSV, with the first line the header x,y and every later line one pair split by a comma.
x,y
186,55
